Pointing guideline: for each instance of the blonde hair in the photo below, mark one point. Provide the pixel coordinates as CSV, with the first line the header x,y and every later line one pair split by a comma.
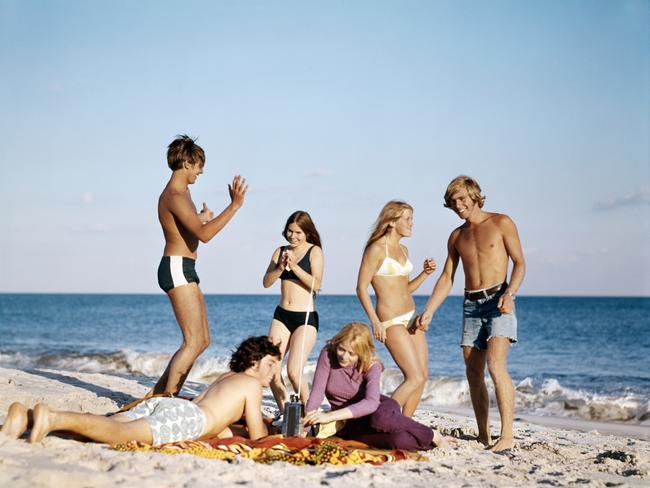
x,y
357,335
467,183
392,211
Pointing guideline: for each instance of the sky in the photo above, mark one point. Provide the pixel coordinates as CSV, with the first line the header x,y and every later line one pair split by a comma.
x,y
330,107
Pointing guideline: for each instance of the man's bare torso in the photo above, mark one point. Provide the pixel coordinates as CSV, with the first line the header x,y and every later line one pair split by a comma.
x,y
482,251
178,241
224,401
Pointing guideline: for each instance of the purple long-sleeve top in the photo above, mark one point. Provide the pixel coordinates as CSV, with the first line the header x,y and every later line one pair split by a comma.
x,y
344,387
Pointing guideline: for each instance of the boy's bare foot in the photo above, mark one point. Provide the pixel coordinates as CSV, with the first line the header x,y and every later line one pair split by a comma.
x,y
486,440
41,426
16,421
502,444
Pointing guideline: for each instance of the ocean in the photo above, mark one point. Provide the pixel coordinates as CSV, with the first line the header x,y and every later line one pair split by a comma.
x,y
583,357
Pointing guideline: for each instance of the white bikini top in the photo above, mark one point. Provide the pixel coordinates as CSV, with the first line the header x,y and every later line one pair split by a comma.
x,y
392,267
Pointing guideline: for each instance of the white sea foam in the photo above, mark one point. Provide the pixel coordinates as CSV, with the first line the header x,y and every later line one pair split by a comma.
x,y
548,397
150,364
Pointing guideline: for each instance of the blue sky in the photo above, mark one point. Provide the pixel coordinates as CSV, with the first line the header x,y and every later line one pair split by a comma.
x,y
330,107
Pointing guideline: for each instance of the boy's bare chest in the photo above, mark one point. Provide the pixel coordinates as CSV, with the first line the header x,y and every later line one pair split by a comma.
x,y
481,239
165,203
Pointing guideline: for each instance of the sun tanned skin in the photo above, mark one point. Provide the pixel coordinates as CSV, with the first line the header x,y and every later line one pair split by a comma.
x,y
183,229
394,297
232,397
484,243
295,296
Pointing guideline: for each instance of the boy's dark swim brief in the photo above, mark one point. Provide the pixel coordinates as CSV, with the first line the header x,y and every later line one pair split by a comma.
x,y
175,271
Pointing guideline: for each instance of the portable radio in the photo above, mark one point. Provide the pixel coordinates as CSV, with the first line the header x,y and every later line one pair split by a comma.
x,y
292,424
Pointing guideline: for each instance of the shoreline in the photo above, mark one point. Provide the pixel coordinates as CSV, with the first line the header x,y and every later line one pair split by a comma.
x,y
634,431
546,454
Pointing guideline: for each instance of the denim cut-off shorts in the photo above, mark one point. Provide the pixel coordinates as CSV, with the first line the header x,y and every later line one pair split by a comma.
x,y
482,320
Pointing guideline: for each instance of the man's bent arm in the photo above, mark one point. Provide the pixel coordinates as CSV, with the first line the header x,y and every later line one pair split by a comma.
x,y
253,415
212,228
181,207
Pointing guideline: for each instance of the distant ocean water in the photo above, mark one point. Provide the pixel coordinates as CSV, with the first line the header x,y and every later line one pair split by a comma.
x,y
576,357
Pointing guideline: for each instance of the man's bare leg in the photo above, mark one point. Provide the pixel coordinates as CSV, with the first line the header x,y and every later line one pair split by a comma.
x,y
95,427
16,420
496,359
189,309
475,371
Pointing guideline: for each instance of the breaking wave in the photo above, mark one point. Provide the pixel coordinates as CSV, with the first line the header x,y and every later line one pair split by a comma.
x,y
547,397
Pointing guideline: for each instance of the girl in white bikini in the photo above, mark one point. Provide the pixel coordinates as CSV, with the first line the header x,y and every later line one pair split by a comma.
x,y
386,266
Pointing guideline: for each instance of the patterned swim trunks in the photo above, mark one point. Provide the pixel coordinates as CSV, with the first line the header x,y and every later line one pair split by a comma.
x,y
170,419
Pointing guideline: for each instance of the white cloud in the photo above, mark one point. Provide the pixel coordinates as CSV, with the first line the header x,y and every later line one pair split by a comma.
x,y
638,198
318,173
88,198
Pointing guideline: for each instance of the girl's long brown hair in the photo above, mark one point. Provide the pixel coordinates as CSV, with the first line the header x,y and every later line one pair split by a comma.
x,y
303,220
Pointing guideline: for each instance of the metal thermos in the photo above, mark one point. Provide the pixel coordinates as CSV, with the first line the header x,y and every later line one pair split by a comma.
x,y
292,424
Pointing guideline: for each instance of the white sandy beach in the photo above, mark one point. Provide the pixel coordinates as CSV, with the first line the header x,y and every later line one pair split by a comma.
x,y
562,452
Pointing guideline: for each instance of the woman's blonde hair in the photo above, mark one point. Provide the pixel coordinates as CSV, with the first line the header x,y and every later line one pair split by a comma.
x,y
357,335
467,183
391,212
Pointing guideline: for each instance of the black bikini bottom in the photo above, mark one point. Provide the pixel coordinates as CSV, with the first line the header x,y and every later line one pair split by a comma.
x,y
293,320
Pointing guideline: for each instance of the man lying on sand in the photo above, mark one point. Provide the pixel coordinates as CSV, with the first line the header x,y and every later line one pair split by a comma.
x,y
235,395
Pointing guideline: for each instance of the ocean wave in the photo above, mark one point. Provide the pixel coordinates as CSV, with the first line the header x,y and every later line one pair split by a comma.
x,y
124,362
551,398
548,397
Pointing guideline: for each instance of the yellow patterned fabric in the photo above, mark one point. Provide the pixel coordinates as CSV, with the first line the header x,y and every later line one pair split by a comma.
x,y
276,448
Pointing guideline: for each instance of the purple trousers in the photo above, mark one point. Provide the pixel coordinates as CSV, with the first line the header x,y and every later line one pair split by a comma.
x,y
387,428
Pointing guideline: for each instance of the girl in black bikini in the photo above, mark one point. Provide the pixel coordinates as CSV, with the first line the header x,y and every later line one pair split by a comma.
x,y
300,269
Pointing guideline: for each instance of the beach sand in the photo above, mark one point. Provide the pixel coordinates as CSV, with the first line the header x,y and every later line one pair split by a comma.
x,y
550,451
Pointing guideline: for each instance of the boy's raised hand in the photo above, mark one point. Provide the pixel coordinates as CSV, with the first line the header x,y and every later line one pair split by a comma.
x,y
237,190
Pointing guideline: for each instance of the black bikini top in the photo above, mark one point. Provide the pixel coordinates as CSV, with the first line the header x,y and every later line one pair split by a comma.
x,y
303,263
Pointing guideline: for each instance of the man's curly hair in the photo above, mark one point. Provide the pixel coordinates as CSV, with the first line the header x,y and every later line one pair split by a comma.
x,y
252,350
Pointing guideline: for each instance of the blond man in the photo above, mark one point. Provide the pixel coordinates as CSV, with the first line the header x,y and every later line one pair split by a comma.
x,y
485,243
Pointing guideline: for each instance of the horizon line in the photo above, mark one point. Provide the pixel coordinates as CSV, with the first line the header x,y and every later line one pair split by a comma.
x,y
277,294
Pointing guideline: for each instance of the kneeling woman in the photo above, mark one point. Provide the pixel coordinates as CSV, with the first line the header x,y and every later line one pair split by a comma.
x,y
349,376
300,269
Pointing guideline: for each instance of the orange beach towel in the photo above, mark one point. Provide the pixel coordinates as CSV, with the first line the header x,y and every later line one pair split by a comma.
x,y
294,450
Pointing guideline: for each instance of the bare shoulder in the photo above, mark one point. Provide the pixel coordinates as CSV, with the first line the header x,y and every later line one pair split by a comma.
x,y
316,250
225,375
170,198
503,221
243,380
456,232
169,193
374,250
276,254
